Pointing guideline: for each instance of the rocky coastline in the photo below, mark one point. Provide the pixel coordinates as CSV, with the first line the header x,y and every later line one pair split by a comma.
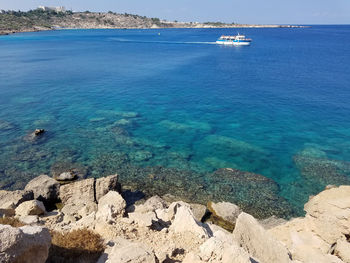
x,y
69,219
36,20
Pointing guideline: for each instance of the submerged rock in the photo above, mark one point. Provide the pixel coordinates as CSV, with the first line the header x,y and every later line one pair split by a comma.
x,y
254,193
322,172
68,171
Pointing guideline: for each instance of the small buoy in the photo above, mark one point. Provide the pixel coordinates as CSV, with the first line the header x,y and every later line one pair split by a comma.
x,y
158,34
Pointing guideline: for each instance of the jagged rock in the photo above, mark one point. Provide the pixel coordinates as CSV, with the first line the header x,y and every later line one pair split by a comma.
x,y
125,251
29,220
173,207
302,242
192,258
78,192
151,205
198,211
79,210
224,214
9,200
110,206
330,211
144,219
217,250
44,188
25,244
33,207
39,132
185,222
342,250
106,184
272,221
250,235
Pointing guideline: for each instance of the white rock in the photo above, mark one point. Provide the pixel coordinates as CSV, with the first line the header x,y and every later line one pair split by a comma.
x,y
9,200
106,184
125,251
342,250
33,207
250,235
225,211
78,192
110,206
143,219
217,250
185,222
25,244
151,205
330,211
192,258
44,188
29,220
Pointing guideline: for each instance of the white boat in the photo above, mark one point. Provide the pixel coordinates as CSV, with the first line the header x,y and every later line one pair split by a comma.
x,y
238,40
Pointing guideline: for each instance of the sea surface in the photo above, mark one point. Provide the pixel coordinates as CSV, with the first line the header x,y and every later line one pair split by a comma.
x,y
166,108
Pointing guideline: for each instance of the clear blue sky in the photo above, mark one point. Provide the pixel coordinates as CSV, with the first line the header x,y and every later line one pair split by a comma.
x,y
240,11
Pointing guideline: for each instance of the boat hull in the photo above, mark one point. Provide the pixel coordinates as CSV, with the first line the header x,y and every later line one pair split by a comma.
x,y
233,43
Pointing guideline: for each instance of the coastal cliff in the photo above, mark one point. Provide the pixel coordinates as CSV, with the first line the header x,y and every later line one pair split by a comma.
x,y
39,20
96,220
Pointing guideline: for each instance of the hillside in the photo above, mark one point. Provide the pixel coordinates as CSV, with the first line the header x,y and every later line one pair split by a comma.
x,y
38,20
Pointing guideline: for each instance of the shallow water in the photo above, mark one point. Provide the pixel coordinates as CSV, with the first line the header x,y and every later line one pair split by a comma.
x,y
117,100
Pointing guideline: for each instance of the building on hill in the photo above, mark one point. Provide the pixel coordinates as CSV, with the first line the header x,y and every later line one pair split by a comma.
x,y
55,8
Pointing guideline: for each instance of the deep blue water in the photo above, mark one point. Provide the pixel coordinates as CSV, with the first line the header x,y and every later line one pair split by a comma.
x,y
279,108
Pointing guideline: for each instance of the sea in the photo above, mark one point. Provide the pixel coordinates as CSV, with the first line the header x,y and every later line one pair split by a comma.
x,y
265,126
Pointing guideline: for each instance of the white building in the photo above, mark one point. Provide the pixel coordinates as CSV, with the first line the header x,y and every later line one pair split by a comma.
x,y
55,8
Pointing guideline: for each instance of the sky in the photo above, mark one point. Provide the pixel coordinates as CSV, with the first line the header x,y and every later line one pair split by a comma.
x,y
238,11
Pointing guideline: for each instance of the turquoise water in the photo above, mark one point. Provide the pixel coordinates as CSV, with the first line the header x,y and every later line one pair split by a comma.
x,y
166,111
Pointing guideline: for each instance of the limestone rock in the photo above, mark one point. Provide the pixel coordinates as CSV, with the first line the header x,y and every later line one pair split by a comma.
x,y
78,192
110,206
250,235
198,211
224,214
79,210
192,258
44,188
9,200
185,222
151,205
106,184
28,244
125,251
330,210
342,250
144,219
33,207
29,220
302,242
216,250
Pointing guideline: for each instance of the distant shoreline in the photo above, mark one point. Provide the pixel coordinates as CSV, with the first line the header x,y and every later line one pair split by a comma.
x,y
4,33
12,22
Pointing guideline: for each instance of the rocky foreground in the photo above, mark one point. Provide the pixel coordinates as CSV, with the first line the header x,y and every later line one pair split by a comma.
x,y
93,220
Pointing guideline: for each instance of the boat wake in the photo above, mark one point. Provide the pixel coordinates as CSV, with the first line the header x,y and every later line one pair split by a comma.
x,y
161,42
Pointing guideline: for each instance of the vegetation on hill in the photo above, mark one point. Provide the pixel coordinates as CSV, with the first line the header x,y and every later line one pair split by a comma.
x,y
35,20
